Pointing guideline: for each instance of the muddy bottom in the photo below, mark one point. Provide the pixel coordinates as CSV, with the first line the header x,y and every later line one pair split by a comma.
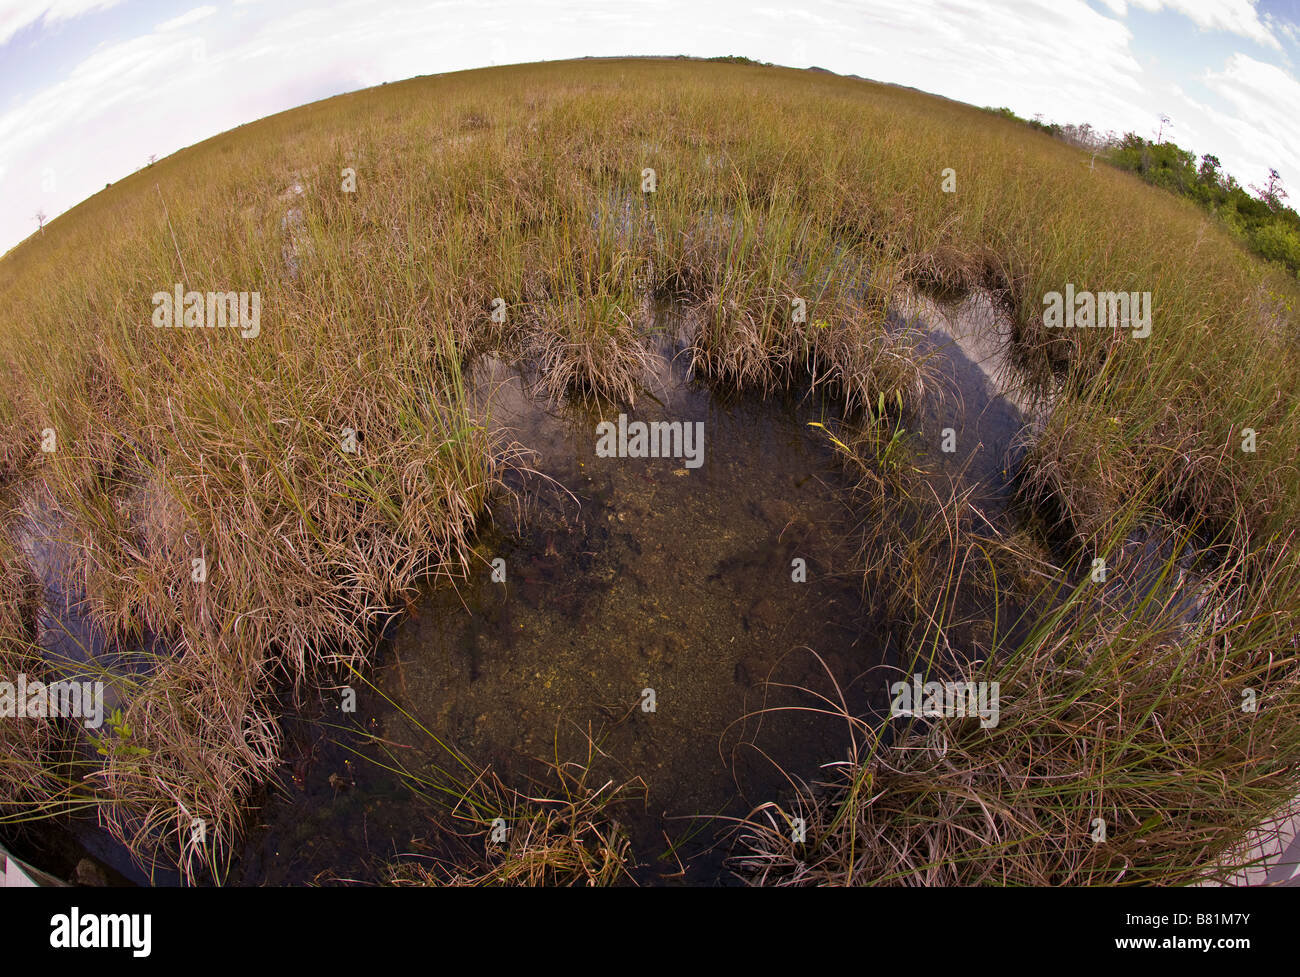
x,y
653,606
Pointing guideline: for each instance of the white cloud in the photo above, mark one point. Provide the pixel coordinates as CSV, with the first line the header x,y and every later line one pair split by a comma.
x,y
1060,57
1264,118
1234,16
184,20
17,14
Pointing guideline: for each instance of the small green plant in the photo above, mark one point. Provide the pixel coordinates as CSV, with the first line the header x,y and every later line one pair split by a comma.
x,y
116,741
889,451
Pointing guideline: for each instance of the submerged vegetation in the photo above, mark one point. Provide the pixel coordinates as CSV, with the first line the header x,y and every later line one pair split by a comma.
x,y
259,507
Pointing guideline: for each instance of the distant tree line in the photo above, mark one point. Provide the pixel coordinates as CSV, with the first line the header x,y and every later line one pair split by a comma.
x,y
1258,214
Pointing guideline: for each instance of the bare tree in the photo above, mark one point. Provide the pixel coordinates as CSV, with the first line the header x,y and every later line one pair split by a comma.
x,y
1272,192
1160,133
40,220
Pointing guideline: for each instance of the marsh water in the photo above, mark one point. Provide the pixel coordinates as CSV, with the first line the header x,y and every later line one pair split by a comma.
x,y
673,622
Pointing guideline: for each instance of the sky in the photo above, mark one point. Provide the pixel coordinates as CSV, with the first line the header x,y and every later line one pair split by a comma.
x,y
90,89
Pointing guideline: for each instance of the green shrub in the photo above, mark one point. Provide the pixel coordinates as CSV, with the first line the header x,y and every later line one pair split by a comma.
x,y
1278,243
